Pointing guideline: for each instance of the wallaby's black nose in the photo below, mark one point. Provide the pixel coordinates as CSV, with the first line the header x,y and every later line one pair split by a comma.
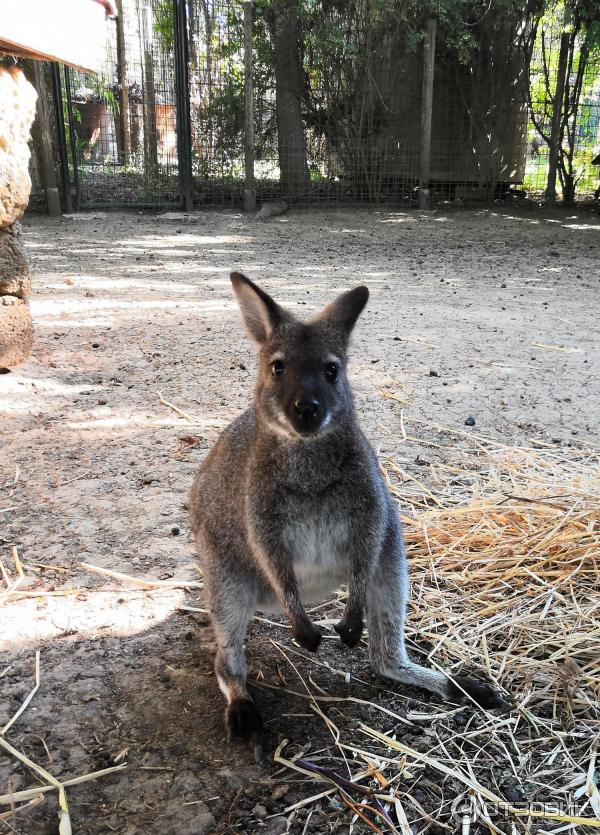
x,y
306,415
307,409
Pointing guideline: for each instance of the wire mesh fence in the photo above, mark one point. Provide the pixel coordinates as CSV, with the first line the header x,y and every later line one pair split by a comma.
x,y
357,105
121,123
580,125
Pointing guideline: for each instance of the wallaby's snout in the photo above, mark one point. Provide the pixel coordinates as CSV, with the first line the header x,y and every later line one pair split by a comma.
x,y
309,393
308,401
307,415
302,388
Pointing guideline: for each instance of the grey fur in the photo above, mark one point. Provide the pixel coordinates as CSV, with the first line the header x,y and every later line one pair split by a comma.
x,y
285,508
272,209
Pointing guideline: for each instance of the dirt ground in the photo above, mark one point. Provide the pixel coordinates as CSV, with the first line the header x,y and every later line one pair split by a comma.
x,y
490,314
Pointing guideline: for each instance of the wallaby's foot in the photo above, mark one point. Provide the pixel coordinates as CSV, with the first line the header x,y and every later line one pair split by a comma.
x,y
483,694
307,634
244,721
350,629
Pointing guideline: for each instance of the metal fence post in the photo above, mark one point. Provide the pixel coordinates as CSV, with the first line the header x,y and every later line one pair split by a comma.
x,y
426,111
182,96
62,138
249,184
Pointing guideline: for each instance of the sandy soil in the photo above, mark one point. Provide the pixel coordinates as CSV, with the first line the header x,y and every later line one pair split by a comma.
x,y
488,314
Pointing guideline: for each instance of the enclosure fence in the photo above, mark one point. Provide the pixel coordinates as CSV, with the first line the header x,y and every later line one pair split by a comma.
x,y
167,122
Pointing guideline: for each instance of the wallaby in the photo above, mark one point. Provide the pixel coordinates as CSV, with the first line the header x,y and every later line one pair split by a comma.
x,y
290,502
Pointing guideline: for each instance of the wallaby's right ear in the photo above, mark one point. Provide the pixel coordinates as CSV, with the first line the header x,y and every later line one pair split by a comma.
x,y
260,313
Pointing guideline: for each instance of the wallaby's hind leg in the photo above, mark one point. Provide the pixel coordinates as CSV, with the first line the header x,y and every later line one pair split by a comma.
x,y
232,603
386,611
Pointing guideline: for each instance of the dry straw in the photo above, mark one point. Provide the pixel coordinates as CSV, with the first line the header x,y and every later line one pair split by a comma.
x,y
504,552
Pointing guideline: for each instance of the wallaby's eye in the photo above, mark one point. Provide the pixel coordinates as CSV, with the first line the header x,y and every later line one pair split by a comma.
x,y
331,372
277,368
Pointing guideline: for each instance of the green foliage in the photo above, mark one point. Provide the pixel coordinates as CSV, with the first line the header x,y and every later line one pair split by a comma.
x,y
579,21
163,24
361,62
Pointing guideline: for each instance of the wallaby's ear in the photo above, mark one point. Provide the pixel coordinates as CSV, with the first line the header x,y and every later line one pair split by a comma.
x,y
260,313
346,309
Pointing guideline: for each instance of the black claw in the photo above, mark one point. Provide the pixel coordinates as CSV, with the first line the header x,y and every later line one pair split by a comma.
x,y
483,694
308,636
350,633
244,721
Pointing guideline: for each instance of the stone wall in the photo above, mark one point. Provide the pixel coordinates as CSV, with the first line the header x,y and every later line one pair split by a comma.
x,y
17,111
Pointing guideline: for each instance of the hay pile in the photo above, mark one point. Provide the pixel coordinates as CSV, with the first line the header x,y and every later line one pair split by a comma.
x,y
505,569
504,554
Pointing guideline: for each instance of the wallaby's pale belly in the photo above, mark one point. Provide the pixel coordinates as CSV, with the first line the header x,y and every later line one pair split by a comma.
x,y
320,550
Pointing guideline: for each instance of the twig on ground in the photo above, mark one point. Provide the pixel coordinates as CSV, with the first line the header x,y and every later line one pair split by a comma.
x,y
147,584
5,816
172,406
13,585
23,707
75,781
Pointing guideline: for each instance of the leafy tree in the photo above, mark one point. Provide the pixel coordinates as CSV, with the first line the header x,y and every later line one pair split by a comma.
x,y
559,84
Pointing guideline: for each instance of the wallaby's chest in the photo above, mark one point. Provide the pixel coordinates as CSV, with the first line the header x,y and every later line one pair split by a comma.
x,y
318,540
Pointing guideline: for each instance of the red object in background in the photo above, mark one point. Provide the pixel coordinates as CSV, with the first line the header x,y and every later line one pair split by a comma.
x,y
108,7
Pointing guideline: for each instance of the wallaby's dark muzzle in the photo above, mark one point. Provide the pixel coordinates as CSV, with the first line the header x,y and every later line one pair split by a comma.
x,y
307,415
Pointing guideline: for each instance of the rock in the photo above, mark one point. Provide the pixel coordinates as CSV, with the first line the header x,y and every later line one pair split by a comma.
x,y
203,823
259,811
280,791
433,373
231,779
16,331
17,111
275,826
14,269
470,421
186,783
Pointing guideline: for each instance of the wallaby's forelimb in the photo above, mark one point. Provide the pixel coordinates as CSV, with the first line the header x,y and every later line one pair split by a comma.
x,y
351,625
277,567
365,542
284,584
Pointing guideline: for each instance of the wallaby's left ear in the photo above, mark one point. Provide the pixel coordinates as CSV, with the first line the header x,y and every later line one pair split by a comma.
x,y
260,313
346,309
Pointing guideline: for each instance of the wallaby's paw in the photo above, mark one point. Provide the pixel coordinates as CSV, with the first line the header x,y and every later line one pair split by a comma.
x,y
350,631
244,721
483,694
308,635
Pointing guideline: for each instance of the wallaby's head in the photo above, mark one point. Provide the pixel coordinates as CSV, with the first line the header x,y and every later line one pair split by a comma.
x,y
302,387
